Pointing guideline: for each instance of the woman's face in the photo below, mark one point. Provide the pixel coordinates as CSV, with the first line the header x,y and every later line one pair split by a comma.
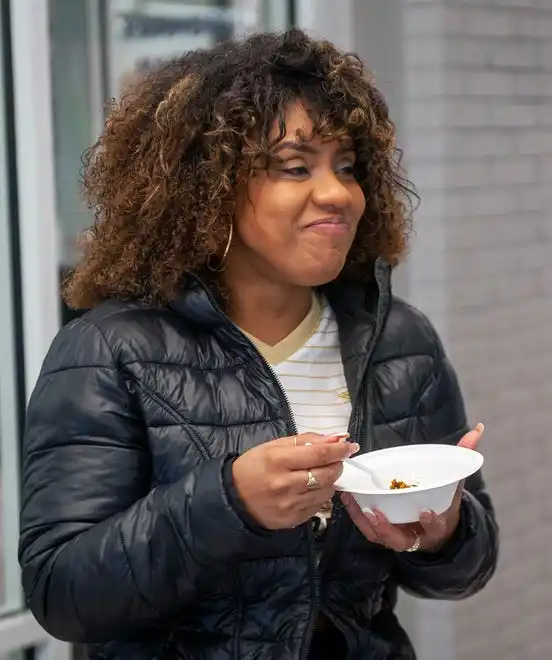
x,y
296,221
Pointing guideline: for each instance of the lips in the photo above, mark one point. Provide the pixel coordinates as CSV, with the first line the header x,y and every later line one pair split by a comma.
x,y
328,222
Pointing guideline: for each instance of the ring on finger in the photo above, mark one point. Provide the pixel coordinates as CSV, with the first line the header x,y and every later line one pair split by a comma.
x,y
416,545
295,440
312,481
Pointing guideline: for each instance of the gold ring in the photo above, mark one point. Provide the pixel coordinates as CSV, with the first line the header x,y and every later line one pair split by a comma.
x,y
312,481
416,545
295,440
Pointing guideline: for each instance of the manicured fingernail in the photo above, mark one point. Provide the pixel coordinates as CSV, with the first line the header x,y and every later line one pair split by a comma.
x,y
340,437
426,515
480,427
353,448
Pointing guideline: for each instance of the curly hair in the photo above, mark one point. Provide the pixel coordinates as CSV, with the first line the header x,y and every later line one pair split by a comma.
x,y
163,175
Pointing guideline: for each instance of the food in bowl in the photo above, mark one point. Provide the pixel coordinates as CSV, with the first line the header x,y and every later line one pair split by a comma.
x,y
398,484
435,469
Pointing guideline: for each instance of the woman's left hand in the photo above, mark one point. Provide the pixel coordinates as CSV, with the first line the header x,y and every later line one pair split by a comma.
x,y
433,530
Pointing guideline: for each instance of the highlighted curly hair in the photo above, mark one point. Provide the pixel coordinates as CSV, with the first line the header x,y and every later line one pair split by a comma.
x,y
162,177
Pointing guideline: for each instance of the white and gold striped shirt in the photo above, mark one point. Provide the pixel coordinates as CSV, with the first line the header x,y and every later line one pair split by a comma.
x,y
308,365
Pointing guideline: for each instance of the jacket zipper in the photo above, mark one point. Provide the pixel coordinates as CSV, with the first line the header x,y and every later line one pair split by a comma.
x,y
355,431
290,423
313,561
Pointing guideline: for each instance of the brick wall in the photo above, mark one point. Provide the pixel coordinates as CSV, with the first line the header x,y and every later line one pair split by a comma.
x,y
470,84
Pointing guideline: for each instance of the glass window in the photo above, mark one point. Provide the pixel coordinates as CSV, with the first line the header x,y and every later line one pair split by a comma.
x,y
73,113
10,590
140,33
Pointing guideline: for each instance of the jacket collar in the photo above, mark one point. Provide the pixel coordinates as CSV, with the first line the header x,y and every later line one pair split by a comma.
x,y
360,309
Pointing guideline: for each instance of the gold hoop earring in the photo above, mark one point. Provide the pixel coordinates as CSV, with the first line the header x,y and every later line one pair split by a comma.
x,y
220,267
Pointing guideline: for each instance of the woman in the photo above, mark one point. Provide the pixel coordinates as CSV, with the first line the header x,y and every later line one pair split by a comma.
x,y
185,435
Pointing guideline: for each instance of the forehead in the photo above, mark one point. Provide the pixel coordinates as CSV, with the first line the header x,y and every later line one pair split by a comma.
x,y
297,123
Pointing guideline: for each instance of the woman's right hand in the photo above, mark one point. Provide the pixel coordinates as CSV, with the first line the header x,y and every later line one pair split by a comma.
x,y
271,479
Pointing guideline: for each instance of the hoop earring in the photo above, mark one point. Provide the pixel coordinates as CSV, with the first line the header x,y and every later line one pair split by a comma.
x,y
220,267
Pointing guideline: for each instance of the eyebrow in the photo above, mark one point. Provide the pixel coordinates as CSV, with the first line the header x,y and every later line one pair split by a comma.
x,y
306,148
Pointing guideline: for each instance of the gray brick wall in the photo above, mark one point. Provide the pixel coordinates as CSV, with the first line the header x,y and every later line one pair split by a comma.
x,y
471,91
499,274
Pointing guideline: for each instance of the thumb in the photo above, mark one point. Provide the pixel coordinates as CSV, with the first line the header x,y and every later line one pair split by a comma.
x,y
472,438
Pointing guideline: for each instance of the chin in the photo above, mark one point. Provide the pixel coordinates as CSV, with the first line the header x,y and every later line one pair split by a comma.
x,y
320,276
312,271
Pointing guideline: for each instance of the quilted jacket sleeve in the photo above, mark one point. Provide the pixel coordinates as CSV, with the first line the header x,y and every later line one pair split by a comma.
x,y
101,554
467,562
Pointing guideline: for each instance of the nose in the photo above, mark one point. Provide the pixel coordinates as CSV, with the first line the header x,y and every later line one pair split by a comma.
x,y
330,191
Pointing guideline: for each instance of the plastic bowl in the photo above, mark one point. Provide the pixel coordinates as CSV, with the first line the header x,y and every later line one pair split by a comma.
x,y
436,471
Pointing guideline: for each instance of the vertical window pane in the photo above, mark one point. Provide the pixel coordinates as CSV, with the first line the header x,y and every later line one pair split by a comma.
x,y
10,591
73,113
140,33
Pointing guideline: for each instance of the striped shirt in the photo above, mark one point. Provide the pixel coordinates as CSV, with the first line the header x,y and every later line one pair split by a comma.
x,y
308,365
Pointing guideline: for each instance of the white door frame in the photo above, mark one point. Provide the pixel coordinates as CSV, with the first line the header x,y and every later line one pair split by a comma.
x,y
9,404
38,227
30,45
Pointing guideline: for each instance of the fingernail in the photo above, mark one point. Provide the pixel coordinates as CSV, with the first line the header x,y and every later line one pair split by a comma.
x,y
426,515
353,448
480,427
341,437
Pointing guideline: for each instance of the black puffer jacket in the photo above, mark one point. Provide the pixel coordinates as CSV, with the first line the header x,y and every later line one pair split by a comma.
x,y
130,541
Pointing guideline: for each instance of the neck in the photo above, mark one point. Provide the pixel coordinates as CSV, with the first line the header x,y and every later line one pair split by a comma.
x,y
269,312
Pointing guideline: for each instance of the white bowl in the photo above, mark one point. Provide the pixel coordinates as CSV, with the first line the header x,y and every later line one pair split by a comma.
x,y
435,469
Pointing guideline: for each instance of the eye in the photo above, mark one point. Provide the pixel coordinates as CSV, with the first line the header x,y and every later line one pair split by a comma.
x,y
347,169
298,170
